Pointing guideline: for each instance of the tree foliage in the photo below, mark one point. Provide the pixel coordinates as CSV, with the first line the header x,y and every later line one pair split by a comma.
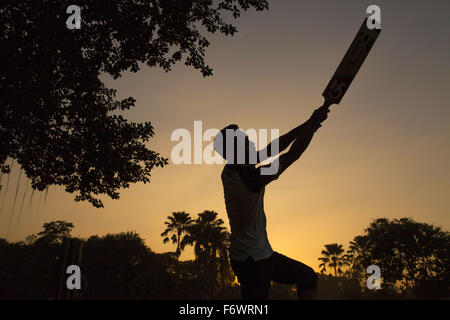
x,y
114,266
57,118
54,232
177,226
411,255
332,257
211,242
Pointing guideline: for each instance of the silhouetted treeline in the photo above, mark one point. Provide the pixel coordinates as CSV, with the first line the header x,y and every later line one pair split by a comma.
x,y
413,258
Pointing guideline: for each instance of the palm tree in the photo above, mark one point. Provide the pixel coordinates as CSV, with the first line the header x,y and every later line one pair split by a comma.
x,y
211,241
177,225
217,244
357,255
332,257
199,234
209,218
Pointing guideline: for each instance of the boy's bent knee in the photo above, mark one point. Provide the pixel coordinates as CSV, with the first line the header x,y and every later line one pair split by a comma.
x,y
308,281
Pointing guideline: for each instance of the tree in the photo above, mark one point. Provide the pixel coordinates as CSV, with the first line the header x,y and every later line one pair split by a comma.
x,y
357,256
198,234
30,239
177,225
218,243
57,118
411,255
332,257
114,264
211,242
54,232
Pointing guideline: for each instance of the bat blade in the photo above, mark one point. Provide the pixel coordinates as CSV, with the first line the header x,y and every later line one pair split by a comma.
x,y
350,64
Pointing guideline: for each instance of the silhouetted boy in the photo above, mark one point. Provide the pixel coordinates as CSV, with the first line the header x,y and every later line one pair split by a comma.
x,y
252,258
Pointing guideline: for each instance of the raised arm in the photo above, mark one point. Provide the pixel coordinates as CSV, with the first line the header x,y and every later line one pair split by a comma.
x,y
285,140
303,139
255,179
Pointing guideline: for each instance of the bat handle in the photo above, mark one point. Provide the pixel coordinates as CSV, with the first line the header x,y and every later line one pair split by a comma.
x,y
326,104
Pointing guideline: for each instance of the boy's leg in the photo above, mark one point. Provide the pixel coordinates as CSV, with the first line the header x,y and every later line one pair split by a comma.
x,y
289,271
253,277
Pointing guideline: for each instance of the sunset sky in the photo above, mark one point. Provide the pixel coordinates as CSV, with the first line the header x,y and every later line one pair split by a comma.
x,y
383,152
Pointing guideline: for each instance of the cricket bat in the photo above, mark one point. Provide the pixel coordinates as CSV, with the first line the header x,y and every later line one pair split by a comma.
x,y
350,65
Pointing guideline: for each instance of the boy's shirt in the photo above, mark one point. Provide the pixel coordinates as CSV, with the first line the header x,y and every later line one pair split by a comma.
x,y
244,189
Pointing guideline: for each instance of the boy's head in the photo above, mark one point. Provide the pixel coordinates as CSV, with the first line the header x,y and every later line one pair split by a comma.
x,y
234,146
